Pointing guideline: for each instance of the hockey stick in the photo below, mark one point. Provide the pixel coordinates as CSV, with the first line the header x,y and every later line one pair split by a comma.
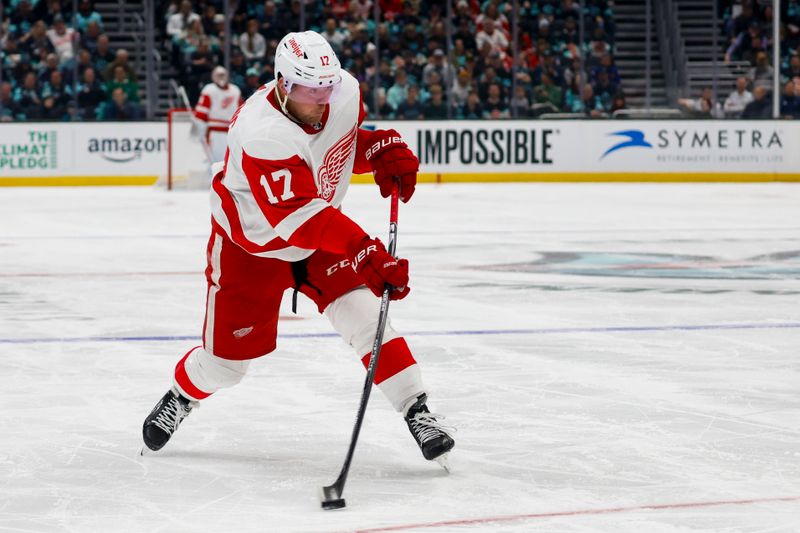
x,y
331,495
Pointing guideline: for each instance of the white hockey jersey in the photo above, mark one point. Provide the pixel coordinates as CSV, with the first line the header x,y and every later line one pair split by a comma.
x,y
217,105
283,182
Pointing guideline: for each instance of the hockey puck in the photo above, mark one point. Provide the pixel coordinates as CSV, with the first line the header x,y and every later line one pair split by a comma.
x,y
337,503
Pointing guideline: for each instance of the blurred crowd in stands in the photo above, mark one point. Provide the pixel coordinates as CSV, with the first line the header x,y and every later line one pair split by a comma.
x,y
413,73
57,66
60,65
748,32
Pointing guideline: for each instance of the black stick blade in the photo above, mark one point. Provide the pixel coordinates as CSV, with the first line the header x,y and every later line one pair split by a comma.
x,y
331,498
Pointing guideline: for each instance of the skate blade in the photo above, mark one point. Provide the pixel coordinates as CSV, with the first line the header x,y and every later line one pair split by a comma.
x,y
444,462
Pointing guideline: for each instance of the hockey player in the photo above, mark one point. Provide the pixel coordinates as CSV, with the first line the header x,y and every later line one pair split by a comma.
x,y
276,224
215,107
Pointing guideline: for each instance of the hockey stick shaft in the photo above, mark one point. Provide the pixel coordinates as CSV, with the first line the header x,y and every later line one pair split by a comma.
x,y
332,494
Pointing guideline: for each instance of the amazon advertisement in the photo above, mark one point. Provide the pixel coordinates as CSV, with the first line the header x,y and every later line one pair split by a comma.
x,y
97,152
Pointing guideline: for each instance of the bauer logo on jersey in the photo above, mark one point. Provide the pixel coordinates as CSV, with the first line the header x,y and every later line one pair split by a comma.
x,y
336,158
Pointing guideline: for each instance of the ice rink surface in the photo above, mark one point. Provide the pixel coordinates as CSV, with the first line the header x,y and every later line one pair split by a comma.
x,y
617,358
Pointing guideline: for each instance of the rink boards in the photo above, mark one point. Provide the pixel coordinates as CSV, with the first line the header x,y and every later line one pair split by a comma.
x,y
456,151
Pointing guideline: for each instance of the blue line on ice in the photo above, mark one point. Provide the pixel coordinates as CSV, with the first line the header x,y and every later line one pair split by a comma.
x,y
451,333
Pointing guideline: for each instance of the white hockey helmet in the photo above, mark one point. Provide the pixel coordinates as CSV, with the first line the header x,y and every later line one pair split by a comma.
x,y
219,76
307,59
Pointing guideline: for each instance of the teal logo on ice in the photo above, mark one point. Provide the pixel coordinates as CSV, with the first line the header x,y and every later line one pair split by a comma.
x,y
782,266
632,138
35,150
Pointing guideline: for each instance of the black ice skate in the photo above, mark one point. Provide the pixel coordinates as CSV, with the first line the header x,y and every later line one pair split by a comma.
x,y
165,418
431,436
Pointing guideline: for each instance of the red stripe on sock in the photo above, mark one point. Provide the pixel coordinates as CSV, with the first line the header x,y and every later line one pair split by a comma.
x,y
182,378
395,357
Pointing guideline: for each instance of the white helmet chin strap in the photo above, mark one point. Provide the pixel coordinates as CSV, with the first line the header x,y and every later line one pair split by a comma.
x,y
282,103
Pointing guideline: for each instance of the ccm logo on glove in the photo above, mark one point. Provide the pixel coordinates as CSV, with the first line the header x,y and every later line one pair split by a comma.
x,y
377,268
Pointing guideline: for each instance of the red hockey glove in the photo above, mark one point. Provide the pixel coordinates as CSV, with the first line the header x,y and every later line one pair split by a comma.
x,y
390,157
372,262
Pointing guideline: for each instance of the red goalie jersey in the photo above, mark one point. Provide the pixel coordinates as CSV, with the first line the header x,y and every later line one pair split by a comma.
x,y
283,182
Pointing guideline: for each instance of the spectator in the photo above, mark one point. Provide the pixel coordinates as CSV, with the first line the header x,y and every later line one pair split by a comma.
x,y
120,60
84,62
59,92
217,33
90,96
497,62
10,110
703,107
386,77
270,20
493,36
547,95
584,101
606,65
384,109
466,35
190,40
62,38
598,48
520,103
411,108
436,108
745,41
120,109
437,64
208,19
742,21
399,90
604,89
738,99
49,10
86,15
760,107
121,80
50,65
252,44
252,83
90,36
486,79
178,23
459,53
201,63
238,71
472,109
35,42
591,104
28,97
52,110
495,106
793,70
790,101
618,103
461,88
103,55
23,18
336,37
762,73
